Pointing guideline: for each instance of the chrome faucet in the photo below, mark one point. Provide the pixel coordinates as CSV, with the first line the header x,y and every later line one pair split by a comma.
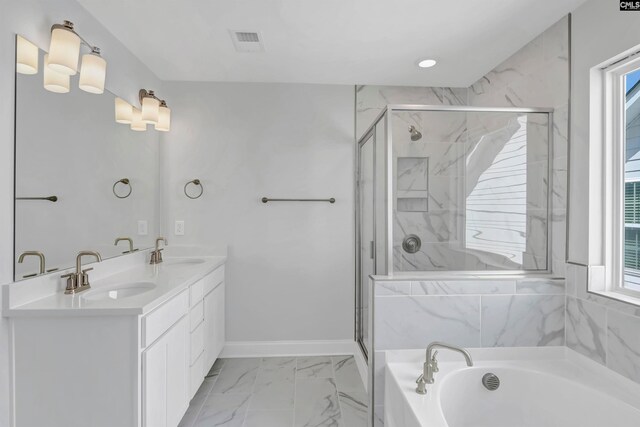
x,y
156,256
40,255
79,281
431,364
126,239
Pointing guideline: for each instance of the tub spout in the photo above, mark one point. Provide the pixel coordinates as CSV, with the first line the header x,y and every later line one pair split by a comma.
x,y
431,364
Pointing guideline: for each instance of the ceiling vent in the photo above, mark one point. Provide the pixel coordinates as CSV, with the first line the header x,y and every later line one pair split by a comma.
x,y
247,41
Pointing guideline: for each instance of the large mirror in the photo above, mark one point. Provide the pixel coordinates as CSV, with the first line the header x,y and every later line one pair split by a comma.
x,y
81,179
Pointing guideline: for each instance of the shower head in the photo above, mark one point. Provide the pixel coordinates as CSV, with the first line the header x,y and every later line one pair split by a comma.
x,y
415,133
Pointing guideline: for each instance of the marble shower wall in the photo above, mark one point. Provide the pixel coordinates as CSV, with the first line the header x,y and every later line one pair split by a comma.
x,y
475,312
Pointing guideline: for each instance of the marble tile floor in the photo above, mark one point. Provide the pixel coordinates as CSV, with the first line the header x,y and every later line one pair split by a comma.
x,y
318,391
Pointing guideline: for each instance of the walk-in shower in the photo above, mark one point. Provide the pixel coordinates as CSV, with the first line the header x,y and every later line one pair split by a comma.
x,y
469,194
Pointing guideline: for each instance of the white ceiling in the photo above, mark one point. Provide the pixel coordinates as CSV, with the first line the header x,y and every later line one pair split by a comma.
x,y
328,41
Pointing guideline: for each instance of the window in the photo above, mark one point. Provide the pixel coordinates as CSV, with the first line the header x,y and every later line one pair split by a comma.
x,y
630,139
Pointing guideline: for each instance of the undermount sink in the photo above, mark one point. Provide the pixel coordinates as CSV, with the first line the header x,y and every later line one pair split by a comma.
x,y
182,261
118,292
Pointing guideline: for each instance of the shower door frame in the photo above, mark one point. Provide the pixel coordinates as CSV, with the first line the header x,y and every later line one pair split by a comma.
x,y
391,108
386,115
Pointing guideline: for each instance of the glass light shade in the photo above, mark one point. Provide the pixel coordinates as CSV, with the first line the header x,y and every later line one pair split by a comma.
x,y
93,72
26,56
164,119
54,81
124,111
64,51
137,123
150,110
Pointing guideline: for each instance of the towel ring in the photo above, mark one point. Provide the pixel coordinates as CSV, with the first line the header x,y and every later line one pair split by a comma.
x,y
197,183
124,181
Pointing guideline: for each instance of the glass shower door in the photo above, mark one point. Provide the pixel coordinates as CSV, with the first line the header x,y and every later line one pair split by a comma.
x,y
366,236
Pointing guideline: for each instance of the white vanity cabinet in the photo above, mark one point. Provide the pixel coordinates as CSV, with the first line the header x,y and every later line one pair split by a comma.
x,y
116,366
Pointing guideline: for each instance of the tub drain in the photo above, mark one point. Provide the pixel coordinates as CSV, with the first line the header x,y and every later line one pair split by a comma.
x,y
490,381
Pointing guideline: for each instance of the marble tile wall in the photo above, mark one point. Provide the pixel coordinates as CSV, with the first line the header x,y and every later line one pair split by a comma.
x,y
605,330
475,312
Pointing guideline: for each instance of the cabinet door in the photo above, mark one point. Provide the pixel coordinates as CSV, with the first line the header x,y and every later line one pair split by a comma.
x,y
218,324
214,325
209,334
166,377
177,372
154,392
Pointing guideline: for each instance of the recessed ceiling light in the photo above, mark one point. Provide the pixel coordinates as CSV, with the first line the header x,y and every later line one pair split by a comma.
x,y
427,63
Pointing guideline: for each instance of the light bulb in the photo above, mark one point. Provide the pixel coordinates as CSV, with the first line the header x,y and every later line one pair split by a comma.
x,y
136,123
26,56
124,112
64,49
53,80
164,118
93,72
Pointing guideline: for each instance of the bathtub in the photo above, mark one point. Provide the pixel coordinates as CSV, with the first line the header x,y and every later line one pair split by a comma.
x,y
539,387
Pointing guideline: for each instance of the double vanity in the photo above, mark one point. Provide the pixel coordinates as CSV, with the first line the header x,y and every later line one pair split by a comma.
x,y
131,350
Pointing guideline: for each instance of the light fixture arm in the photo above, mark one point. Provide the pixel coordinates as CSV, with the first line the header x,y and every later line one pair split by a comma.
x,y
144,93
68,26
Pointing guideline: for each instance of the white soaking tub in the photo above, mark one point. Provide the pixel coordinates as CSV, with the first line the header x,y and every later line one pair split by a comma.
x,y
539,387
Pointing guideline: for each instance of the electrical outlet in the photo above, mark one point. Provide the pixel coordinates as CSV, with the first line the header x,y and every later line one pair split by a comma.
x,y
179,228
143,228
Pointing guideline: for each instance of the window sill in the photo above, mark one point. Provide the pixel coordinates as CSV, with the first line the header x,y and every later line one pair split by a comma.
x,y
617,296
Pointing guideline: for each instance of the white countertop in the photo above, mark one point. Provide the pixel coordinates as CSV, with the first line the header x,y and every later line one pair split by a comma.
x,y
169,280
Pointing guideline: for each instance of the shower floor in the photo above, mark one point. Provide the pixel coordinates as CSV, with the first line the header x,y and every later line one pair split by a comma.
x,y
279,392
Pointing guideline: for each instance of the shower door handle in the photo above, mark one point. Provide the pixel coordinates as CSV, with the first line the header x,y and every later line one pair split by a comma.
x,y
373,249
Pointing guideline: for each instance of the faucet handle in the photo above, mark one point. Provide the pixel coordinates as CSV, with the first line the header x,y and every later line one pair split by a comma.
x,y
434,362
72,282
87,269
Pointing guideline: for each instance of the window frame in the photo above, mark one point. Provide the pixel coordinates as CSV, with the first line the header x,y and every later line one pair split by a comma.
x,y
614,128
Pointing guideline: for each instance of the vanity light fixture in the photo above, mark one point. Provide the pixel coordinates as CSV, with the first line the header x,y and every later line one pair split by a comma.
x,y
64,52
26,56
53,80
154,110
427,63
124,112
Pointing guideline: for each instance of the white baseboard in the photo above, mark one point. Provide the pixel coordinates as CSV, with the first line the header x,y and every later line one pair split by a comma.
x,y
288,348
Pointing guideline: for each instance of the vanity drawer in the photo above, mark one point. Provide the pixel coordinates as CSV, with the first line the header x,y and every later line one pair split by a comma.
x,y
162,318
213,279
196,315
197,343
196,376
196,292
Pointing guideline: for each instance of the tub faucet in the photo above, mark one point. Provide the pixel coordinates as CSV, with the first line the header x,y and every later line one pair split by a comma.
x,y
431,364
